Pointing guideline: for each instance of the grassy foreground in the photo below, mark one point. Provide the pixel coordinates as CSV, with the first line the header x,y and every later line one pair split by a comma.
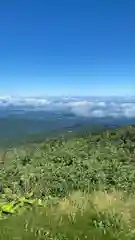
x,y
82,188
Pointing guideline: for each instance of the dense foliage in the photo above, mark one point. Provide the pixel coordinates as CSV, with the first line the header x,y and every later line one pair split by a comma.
x,y
41,175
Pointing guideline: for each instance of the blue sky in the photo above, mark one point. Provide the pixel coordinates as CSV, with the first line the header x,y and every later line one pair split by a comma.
x,y
69,47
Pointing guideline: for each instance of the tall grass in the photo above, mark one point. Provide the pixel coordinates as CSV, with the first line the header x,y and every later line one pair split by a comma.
x,y
100,215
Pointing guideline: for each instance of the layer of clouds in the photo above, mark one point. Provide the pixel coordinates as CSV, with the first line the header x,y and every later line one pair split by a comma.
x,y
85,107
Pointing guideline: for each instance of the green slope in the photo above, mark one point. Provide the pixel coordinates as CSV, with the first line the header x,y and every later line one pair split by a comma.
x,y
96,167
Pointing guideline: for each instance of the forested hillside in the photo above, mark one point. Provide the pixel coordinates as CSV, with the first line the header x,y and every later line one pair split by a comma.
x,y
78,188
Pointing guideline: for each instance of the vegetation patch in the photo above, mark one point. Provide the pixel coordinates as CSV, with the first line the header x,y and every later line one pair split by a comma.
x,y
80,188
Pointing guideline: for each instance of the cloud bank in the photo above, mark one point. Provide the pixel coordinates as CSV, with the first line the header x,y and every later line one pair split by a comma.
x,y
85,107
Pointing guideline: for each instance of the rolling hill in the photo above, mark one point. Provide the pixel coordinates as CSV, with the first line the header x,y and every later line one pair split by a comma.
x,y
62,188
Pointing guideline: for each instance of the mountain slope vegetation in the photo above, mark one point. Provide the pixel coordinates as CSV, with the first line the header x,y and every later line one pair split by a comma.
x,y
78,188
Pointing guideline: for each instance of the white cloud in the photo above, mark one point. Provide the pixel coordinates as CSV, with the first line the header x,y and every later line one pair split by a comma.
x,y
82,110
23,101
101,104
79,103
98,113
86,107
